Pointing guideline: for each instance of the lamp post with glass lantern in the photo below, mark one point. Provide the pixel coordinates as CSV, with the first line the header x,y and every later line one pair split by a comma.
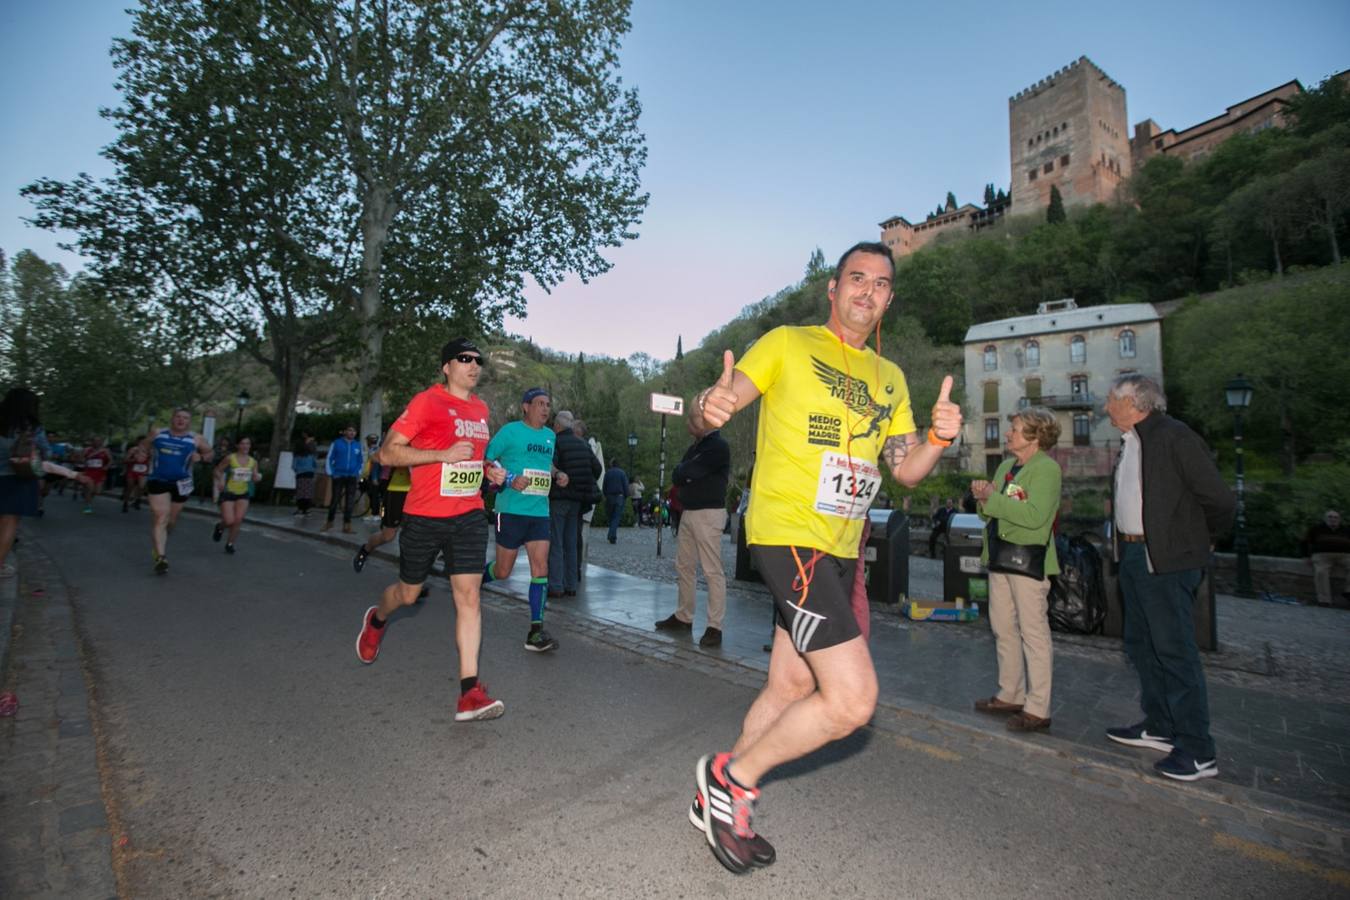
x,y
241,401
632,448
1238,395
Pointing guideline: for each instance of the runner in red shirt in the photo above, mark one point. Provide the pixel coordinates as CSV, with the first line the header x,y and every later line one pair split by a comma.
x,y
97,460
137,464
441,437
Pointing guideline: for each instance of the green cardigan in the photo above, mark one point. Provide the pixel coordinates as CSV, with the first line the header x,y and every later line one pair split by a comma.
x,y
1028,521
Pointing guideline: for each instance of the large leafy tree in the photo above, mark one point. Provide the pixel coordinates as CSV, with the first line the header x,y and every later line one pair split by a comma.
x,y
287,167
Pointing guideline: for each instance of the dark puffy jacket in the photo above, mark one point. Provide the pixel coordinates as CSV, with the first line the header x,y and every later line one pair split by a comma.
x,y
573,455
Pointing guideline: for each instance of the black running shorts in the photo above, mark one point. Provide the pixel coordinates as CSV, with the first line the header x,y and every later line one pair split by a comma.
x,y
227,497
463,540
391,508
165,487
826,617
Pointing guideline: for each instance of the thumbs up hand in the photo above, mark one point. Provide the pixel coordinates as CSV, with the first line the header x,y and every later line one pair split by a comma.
x,y
717,404
946,417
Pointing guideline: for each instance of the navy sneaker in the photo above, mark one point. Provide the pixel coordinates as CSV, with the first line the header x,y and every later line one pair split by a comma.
x,y
540,641
359,560
1181,766
1139,736
761,851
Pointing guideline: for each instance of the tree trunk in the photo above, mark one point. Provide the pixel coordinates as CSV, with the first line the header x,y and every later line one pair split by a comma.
x,y
1287,448
1275,243
1331,233
289,372
379,211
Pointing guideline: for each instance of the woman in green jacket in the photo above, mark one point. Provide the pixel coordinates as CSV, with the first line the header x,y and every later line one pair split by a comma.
x,y
1020,506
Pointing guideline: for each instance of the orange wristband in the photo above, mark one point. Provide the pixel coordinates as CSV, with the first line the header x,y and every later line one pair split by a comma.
x,y
937,441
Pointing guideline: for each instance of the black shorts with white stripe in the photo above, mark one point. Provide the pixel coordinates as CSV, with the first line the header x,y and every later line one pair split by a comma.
x,y
826,617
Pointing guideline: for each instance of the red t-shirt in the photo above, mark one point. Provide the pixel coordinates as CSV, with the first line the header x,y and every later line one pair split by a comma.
x,y
436,420
96,463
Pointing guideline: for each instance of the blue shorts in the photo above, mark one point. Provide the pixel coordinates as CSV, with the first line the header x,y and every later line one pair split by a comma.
x,y
514,530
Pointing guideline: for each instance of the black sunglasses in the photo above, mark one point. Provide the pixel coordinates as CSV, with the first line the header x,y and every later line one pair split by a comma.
x,y
467,358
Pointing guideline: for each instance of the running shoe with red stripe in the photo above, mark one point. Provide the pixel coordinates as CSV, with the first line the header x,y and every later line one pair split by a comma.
x,y
368,641
761,851
727,813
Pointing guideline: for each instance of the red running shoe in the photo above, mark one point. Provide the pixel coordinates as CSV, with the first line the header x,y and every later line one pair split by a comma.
x,y
368,641
476,704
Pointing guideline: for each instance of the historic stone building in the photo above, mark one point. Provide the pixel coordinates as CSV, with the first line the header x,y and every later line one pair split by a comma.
x,y
1063,358
1068,130
904,238
1265,110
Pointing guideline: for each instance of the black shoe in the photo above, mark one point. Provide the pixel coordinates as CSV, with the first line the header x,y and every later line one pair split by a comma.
x,y
673,623
359,561
569,593
711,638
1181,766
727,814
229,548
540,642
761,851
1139,736
220,529
161,565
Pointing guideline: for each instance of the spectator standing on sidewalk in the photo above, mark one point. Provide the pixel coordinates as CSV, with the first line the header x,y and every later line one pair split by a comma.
x,y
701,479
1329,547
1170,505
573,487
635,489
304,464
616,494
941,518
1020,506
344,469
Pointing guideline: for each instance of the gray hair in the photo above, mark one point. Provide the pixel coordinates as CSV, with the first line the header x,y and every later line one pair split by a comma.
x,y
1145,394
563,419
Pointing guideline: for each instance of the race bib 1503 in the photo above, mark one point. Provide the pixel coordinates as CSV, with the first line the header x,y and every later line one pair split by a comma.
x,y
540,482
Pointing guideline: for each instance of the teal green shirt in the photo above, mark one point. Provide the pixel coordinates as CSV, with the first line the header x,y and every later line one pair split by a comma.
x,y
527,451
1026,520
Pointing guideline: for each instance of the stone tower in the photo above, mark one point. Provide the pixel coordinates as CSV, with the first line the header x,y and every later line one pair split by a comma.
x,y
1070,131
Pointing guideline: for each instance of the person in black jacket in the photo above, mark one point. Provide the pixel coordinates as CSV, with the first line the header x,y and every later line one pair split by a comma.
x,y
616,493
1170,505
575,485
701,478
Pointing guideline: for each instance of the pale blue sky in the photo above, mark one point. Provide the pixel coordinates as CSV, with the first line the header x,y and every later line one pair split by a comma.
x,y
773,127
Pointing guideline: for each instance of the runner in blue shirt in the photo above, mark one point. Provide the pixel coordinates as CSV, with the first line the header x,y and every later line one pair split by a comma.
x,y
173,451
525,449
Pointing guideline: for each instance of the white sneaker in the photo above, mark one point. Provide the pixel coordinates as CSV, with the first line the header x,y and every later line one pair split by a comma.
x,y
8,571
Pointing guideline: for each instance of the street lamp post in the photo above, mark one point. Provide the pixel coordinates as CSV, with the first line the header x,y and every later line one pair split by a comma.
x,y
632,448
242,401
1238,394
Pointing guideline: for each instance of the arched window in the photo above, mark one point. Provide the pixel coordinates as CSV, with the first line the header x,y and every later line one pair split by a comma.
x,y
1127,344
1077,349
990,358
1033,353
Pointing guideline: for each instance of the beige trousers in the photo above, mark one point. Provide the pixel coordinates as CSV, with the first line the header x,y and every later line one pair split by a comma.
x,y
1324,566
701,544
1017,614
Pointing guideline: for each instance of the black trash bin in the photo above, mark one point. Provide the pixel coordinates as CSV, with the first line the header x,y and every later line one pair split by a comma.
x,y
745,565
963,575
886,556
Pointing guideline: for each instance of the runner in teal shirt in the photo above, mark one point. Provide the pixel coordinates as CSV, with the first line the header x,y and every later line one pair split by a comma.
x,y
525,450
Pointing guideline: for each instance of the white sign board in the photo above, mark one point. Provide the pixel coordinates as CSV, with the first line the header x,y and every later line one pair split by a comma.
x,y
665,403
209,430
285,474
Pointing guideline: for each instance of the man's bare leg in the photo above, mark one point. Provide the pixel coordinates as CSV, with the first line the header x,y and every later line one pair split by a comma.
x,y
468,621
844,700
790,679
160,510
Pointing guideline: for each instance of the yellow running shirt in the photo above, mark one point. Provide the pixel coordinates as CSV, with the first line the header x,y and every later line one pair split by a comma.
x,y
824,417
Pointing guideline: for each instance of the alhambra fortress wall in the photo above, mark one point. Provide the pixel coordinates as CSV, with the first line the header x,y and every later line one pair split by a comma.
x,y
1069,130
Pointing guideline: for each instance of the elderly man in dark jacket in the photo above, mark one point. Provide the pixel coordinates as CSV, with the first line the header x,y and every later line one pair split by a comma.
x,y
574,486
1170,505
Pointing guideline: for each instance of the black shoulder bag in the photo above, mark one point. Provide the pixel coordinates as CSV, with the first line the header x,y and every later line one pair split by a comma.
x,y
1013,559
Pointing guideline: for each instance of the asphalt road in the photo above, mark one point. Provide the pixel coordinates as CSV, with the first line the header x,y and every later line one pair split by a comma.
x,y
247,753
